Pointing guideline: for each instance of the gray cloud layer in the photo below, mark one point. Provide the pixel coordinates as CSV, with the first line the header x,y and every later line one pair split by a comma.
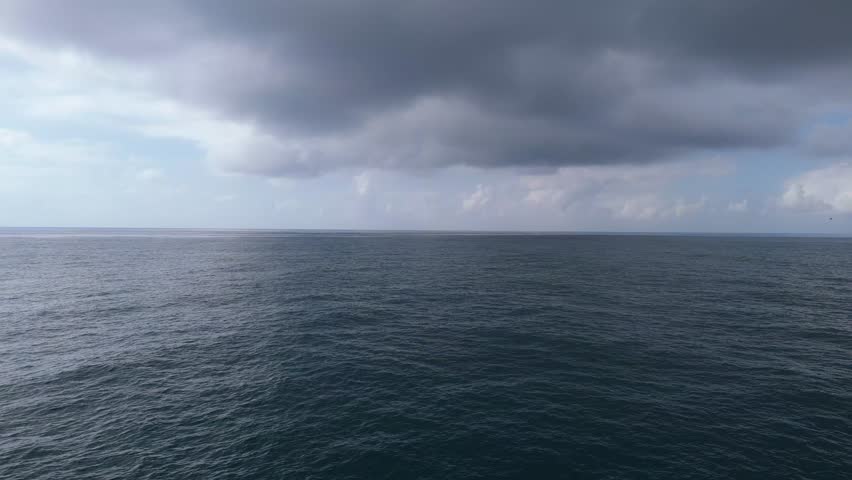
x,y
483,83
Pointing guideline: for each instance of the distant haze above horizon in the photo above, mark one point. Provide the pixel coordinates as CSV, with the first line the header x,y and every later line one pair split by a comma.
x,y
641,115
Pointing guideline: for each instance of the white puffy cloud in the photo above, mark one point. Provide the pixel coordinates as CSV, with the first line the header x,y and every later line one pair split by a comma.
x,y
478,199
641,207
362,183
623,192
820,190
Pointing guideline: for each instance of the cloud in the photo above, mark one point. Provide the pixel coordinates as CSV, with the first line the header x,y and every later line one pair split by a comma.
x,y
627,192
651,206
822,190
362,183
830,140
23,150
149,174
642,207
303,87
477,200
683,208
13,138
738,207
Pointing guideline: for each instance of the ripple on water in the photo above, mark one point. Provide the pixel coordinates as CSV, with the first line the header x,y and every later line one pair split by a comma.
x,y
424,356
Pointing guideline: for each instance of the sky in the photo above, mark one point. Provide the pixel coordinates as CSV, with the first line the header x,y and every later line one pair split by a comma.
x,y
634,115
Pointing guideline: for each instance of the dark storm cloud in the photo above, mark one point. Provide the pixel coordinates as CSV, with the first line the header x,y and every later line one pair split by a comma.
x,y
485,83
757,36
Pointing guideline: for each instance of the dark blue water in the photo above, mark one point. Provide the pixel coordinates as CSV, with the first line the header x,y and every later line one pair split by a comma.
x,y
221,355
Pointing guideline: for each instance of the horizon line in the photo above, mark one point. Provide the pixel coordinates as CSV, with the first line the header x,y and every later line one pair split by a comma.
x,y
450,231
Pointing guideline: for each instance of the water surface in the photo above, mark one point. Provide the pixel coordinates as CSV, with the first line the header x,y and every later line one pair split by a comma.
x,y
221,354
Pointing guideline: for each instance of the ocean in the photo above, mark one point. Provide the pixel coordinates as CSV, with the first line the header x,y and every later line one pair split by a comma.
x,y
178,354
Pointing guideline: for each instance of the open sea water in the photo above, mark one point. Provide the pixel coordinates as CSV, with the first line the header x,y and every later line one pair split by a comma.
x,y
222,355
